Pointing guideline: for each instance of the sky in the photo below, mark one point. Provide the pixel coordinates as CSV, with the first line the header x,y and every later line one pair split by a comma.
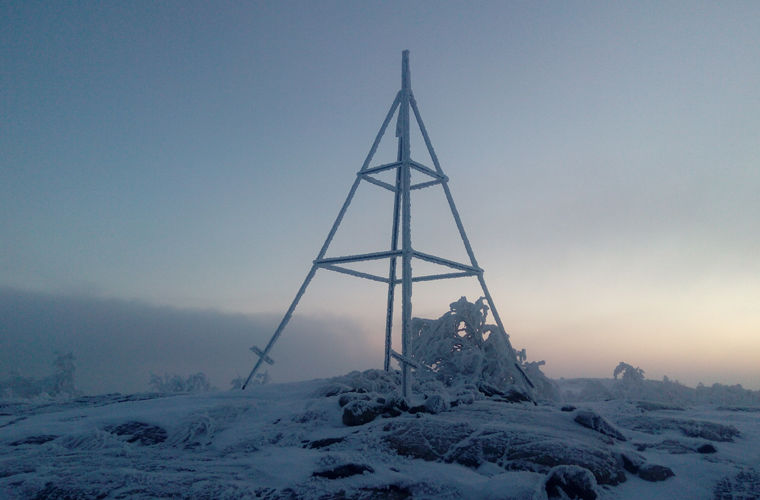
x,y
188,159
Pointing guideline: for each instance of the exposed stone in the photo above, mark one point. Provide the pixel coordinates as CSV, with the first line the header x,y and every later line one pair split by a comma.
x,y
360,412
433,440
39,439
707,448
511,396
652,472
708,430
673,447
323,443
568,408
595,422
54,492
141,432
540,455
333,389
570,481
632,462
345,470
347,397
692,428
387,492
436,404
657,405
429,440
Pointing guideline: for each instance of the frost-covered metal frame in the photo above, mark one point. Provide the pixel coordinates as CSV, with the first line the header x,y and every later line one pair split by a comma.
x,y
404,102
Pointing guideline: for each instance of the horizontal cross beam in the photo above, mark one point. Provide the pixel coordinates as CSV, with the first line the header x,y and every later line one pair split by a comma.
x,y
442,276
352,272
446,262
358,257
378,182
425,170
380,168
422,185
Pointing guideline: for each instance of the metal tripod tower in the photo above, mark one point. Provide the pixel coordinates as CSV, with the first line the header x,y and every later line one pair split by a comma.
x,y
404,103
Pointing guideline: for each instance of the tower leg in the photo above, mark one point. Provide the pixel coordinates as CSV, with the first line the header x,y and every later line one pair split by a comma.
x,y
282,325
406,226
392,274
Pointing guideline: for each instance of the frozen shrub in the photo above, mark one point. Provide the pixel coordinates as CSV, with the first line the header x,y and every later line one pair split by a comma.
x,y
461,347
197,382
545,388
59,384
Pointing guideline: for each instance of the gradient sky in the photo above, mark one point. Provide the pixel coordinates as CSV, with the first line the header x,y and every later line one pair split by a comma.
x,y
604,156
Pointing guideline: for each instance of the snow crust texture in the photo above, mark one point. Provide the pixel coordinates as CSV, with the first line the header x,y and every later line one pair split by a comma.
x,y
459,441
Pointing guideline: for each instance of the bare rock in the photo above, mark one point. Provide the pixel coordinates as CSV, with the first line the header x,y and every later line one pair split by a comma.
x,y
436,404
333,389
434,440
657,406
652,472
707,448
347,397
324,443
570,481
672,446
703,429
510,396
360,412
345,470
595,422
39,439
428,440
141,432
632,462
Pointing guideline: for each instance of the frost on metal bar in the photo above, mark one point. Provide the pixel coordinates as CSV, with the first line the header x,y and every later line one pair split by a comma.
x,y
261,354
378,182
402,108
358,257
425,170
423,185
444,276
381,168
446,262
353,272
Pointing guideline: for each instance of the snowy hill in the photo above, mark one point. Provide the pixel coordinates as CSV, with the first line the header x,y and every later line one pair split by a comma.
x,y
352,437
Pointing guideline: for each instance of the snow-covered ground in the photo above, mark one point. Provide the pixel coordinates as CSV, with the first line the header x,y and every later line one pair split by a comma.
x,y
293,441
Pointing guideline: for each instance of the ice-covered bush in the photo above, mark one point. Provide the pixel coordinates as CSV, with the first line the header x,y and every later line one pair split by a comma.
x,y
197,382
461,347
545,388
59,384
258,379
726,395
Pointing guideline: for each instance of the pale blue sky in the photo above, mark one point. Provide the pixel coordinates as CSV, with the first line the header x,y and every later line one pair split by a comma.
x,y
603,155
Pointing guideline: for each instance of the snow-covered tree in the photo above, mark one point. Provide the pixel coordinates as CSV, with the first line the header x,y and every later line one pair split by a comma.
x,y
60,384
630,374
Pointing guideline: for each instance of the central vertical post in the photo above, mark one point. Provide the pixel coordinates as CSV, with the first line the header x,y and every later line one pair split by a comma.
x,y
406,223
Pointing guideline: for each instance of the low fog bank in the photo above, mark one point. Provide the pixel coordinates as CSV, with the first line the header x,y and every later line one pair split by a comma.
x,y
118,344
